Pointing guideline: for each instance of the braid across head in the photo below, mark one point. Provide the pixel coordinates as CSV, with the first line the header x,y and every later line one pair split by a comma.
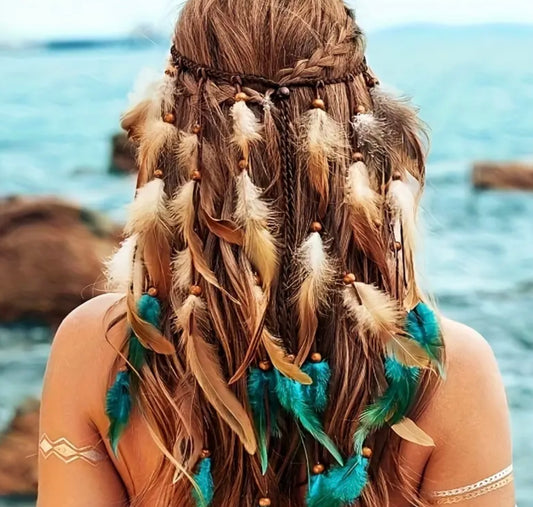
x,y
271,288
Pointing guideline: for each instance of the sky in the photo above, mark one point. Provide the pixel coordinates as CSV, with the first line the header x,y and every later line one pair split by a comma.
x,y
53,19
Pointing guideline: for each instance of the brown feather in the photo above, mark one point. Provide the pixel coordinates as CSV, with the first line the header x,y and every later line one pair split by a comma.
x,y
224,229
408,352
408,430
156,256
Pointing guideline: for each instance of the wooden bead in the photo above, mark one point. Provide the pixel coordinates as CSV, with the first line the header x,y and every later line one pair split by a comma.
x,y
357,156
206,453
397,246
397,176
361,109
291,358
196,128
196,290
316,227
239,97
349,278
196,176
169,118
152,291
158,173
318,469
284,92
367,452
265,502
243,164
319,104
265,365
316,357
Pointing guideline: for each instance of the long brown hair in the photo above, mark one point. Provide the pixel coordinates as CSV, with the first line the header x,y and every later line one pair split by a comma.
x,y
236,275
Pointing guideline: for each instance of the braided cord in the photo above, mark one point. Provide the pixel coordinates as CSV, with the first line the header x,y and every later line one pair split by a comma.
x,y
186,64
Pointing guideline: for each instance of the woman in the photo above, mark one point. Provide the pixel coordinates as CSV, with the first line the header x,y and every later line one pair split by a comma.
x,y
272,346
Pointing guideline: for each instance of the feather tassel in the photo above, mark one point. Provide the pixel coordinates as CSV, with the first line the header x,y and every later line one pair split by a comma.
x,y
203,361
118,267
324,143
204,489
246,127
292,398
118,408
316,394
318,277
254,215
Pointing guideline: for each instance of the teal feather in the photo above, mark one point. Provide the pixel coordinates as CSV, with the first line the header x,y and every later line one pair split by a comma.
x,y
149,309
136,354
422,325
258,390
340,485
395,402
118,408
316,394
292,398
204,480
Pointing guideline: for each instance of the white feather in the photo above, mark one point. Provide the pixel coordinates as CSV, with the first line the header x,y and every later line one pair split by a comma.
x,y
373,310
181,208
184,312
316,263
118,268
249,205
182,270
148,210
364,124
324,133
246,126
155,135
403,204
359,193
188,152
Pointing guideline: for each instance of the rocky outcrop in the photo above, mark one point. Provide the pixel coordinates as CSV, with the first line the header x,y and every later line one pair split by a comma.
x,y
122,155
18,452
502,176
51,255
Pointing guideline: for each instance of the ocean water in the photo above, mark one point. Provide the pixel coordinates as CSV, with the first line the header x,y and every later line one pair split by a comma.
x,y
474,87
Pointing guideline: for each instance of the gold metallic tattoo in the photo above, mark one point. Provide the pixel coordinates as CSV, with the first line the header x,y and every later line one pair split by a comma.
x,y
483,487
67,452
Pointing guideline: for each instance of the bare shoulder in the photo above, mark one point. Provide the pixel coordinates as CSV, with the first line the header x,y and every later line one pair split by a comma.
x,y
84,350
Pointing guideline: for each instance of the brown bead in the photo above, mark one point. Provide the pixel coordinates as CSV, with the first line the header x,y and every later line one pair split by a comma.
x,y
316,357
196,176
196,290
169,118
243,164
367,452
158,173
196,128
152,291
318,469
397,176
349,278
265,365
316,227
357,156
239,97
284,92
265,502
361,109
319,104
397,246
291,358
206,453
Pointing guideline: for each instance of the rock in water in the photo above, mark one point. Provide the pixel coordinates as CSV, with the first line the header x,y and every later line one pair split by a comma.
x,y
51,255
502,176
18,452
123,158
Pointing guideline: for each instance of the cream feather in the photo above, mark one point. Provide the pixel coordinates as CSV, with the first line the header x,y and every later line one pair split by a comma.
x,y
187,153
254,216
203,362
246,127
324,142
410,431
318,275
118,268
362,199
182,273
148,210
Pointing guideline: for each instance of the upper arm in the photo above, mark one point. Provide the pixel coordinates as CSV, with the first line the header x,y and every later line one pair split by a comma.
x,y
74,466
470,420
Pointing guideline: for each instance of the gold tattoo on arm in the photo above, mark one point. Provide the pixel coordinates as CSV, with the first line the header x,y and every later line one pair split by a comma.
x,y
67,452
484,487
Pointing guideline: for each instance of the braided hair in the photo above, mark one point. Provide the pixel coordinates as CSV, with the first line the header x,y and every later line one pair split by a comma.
x,y
278,336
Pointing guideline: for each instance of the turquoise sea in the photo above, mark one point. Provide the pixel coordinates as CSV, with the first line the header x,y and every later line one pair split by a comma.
x,y
474,87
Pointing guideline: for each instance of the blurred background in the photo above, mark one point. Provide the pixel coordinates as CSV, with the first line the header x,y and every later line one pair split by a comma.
x,y
66,69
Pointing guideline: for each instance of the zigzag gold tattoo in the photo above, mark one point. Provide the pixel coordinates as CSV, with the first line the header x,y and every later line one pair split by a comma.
x,y
67,452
